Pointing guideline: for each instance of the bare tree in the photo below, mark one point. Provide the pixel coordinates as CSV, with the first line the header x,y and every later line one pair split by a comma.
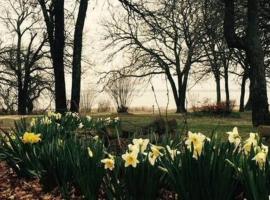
x,y
163,36
88,97
22,61
121,89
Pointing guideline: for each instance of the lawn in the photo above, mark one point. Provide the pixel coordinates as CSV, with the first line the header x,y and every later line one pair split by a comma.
x,y
196,123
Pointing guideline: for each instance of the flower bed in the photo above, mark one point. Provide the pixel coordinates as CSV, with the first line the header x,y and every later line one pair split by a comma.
x,y
70,151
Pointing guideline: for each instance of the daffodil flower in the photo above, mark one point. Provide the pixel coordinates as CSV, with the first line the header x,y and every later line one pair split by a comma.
x,y
141,144
109,163
250,142
234,137
130,159
260,159
31,138
195,140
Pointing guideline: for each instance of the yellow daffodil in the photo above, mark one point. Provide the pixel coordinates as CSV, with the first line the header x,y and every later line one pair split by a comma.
x,y
46,121
152,158
33,122
250,142
109,163
57,116
156,150
90,152
197,141
141,144
130,159
31,138
172,152
234,137
133,148
264,149
260,159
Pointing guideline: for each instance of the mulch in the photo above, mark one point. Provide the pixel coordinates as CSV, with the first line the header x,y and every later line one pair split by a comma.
x,y
13,187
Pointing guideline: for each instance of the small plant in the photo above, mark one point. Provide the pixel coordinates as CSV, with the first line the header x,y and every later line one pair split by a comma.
x,y
198,168
85,158
141,177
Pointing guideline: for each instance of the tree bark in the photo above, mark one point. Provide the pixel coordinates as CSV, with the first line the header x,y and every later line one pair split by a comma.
x,y
248,106
227,91
21,102
218,90
243,92
255,56
58,58
54,20
77,55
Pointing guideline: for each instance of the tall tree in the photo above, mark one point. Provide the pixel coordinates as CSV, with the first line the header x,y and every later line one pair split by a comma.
x,y
252,46
20,62
53,13
77,57
164,35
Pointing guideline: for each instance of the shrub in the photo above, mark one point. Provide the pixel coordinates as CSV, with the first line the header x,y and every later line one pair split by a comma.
x,y
215,108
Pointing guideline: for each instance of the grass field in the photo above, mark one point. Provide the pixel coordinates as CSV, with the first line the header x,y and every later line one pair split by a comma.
x,y
204,124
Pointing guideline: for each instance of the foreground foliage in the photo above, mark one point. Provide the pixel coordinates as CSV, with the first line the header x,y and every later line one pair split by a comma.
x,y
71,152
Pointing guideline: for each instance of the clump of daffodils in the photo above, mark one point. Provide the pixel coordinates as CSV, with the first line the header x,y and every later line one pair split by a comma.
x,y
131,156
251,142
195,142
109,163
234,137
261,156
57,116
31,138
46,120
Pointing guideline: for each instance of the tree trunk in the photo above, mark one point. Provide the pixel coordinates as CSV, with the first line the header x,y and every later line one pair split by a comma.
x,y
255,55
243,91
227,91
77,54
248,106
58,58
21,102
218,90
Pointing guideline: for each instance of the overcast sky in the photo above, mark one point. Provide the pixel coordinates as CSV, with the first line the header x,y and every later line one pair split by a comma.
x,y
93,43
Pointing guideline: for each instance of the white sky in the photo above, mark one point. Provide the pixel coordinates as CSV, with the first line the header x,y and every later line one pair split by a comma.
x,y
93,43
